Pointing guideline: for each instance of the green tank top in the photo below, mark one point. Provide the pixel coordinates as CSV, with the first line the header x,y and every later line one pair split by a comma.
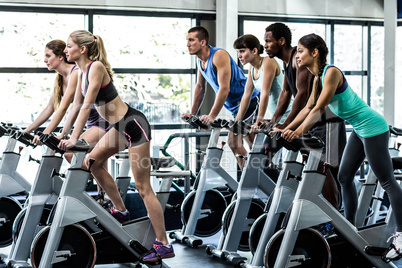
x,y
276,88
347,105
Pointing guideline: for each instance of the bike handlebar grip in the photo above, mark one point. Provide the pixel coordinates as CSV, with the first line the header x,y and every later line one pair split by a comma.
x,y
23,137
297,144
3,130
50,141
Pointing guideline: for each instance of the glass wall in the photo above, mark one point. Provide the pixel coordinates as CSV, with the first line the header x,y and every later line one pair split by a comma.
x,y
353,51
22,45
152,67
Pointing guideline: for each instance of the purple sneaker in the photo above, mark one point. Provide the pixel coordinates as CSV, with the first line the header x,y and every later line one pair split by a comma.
x,y
158,252
120,216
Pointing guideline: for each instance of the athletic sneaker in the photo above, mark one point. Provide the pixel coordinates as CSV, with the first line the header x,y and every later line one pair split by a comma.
x,y
326,229
120,216
158,252
395,249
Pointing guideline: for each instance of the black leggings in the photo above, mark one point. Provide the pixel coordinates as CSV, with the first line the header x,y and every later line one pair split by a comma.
x,y
376,151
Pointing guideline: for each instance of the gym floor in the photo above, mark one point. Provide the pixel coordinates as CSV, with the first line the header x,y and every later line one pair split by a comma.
x,y
187,257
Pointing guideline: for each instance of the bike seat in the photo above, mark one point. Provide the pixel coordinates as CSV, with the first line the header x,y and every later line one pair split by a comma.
x,y
395,131
121,155
163,162
397,162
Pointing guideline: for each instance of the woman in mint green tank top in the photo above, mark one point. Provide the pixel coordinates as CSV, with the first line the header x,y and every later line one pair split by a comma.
x,y
369,138
265,75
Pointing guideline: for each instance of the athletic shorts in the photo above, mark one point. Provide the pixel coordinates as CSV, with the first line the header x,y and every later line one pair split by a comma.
x,y
252,111
134,127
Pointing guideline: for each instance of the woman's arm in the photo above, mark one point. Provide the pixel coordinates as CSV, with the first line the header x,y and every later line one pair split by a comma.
x,y
270,69
245,100
75,109
65,103
43,116
95,79
332,80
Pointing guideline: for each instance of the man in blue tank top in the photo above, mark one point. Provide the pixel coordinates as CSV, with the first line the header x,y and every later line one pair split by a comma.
x,y
216,67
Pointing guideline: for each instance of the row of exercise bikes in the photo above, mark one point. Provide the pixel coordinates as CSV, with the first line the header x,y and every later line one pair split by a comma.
x,y
60,224
284,220
277,211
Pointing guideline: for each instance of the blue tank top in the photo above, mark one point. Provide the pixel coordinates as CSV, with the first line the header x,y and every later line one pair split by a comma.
x,y
347,105
276,88
237,81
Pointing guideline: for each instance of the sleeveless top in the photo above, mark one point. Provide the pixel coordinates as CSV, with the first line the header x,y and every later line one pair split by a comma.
x,y
347,105
290,74
276,88
106,93
237,81
94,117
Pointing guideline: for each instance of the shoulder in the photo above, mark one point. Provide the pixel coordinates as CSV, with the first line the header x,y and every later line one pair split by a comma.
x,y
220,53
221,57
96,67
269,63
332,71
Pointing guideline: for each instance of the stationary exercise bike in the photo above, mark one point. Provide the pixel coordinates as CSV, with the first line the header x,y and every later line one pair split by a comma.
x,y
12,183
279,202
300,245
82,233
33,217
372,194
245,210
202,209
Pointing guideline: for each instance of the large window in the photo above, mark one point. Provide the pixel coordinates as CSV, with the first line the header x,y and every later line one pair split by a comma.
x,y
158,47
26,90
153,70
355,47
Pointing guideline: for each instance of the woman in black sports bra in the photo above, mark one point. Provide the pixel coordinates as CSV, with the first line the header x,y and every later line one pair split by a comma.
x,y
128,128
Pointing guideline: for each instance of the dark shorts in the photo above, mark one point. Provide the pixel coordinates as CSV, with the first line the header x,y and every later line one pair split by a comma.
x,y
95,120
252,111
134,127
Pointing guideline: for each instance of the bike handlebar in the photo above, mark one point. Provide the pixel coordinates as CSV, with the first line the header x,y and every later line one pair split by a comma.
x,y
52,142
305,142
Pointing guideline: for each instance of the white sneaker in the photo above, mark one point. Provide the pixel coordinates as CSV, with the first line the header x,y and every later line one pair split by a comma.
x,y
395,249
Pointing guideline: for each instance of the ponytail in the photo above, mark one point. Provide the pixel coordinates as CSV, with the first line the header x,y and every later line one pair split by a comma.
x,y
95,47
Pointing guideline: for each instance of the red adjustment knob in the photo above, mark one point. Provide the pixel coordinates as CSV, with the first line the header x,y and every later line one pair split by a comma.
x,y
304,158
91,161
267,149
223,144
326,167
20,149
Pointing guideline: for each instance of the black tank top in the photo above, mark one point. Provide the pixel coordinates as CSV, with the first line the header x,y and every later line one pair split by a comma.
x,y
290,74
106,93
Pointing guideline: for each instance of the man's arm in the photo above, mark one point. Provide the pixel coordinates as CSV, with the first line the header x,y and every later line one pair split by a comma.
x,y
303,79
199,93
221,62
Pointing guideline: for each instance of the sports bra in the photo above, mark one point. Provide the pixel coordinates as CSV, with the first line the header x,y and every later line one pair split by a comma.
x,y
106,93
